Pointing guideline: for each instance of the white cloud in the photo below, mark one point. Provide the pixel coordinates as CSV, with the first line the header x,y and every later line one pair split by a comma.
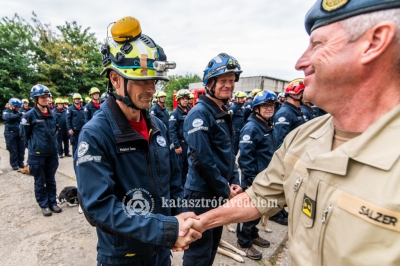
x,y
266,37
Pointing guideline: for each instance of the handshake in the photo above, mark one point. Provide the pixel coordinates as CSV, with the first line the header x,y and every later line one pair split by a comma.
x,y
191,228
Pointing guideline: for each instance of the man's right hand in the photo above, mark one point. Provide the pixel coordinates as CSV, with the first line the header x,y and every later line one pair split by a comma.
x,y
186,221
233,192
71,132
179,150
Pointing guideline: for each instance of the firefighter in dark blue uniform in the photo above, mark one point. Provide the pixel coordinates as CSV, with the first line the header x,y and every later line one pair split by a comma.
x,y
308,111
286,119
25,107
289,115
62,136
176,130
93,105
257,145
247,106
159,110
39,129
209,134
236,110
127,169
190,104
75,120
14,143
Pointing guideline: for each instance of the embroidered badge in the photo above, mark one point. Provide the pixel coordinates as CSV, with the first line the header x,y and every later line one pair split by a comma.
x,y
332,5
308,207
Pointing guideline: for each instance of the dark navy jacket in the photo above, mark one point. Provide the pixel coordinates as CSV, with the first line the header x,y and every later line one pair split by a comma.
x,y
319,111
75,118
117,170
23,110
247,110
176,126
39,132
62,118
308,113
286,119
257,144
237,116
208,132
12,120
160,113
89,111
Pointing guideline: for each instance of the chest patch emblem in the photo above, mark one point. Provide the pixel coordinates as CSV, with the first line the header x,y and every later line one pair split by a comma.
x,y
308,207
161,141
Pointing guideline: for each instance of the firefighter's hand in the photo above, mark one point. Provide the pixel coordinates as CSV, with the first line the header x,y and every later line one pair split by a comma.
x,y
71,132
179,150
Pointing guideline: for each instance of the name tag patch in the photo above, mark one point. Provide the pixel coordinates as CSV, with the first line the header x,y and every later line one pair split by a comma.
x,y
369,212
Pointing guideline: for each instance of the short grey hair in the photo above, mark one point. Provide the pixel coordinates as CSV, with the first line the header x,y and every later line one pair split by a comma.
x,y
356,26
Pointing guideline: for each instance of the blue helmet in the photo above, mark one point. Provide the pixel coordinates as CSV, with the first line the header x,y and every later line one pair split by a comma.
x,y
15,102
264,97
39,90
219,65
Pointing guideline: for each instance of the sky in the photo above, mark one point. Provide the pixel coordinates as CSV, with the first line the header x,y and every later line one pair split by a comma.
x,y
266,37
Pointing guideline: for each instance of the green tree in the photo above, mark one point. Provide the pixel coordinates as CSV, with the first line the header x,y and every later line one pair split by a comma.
x,y
176,82
70,61
16,59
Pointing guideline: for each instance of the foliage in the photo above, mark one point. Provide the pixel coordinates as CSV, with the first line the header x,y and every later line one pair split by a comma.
x,y
66,60
176,82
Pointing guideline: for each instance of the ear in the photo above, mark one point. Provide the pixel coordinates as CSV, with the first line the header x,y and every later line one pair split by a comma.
x,y
116,80
377,40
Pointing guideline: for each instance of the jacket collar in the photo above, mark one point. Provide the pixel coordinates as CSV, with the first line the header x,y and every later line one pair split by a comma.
x,y
40,114
292,107
376,147
266,128
218,112
123,132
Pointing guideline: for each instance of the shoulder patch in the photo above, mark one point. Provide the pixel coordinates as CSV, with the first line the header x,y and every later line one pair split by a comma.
x,y
161,141
246,137
197,122
281,119
83,148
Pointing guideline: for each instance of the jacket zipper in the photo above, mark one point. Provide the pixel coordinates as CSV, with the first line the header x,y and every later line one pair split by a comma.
x,y
151,180
158,172
324,222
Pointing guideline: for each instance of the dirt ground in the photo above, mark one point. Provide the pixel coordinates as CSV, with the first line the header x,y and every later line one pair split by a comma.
x,y
28,238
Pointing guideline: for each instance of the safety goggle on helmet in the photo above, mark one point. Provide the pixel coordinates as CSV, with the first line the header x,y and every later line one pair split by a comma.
x,y
132,54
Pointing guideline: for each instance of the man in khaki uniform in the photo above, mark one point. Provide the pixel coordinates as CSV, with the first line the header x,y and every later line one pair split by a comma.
x,y
339,174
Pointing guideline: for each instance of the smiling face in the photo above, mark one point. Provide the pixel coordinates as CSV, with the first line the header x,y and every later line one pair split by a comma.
x,y
329,65
225,84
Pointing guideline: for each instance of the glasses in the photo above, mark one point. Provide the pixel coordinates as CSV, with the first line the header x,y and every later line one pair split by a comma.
x,y
267,105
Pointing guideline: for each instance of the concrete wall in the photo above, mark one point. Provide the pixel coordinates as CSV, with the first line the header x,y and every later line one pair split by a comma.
x,y
248,84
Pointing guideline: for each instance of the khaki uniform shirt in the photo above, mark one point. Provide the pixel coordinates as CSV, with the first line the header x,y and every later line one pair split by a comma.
x,y
344,205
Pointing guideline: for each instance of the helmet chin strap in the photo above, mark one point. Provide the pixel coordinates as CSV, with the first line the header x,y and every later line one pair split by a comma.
x,y
297,100
211,92
126,100
263,118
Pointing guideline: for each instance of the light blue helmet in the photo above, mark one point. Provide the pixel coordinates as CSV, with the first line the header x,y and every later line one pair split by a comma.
x,y
264,97
39,90
221,64
15,102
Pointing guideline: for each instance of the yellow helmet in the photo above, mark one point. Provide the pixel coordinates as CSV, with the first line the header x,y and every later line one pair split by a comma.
x,y
182,93
87,99
94,90
65,101
25,101
76,96
161,94
191,96
254,92
58,100
134,55
240,94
